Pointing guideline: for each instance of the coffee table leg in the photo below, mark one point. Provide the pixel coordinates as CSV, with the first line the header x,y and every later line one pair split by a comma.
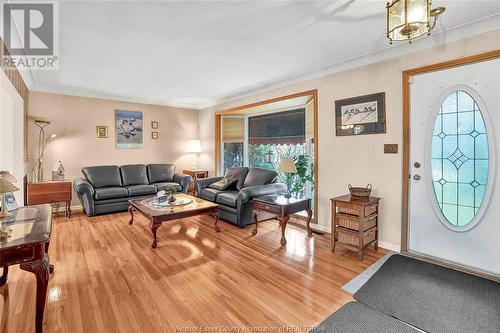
x,y
215,215
256,222
3,278
131,212
309,217
283,221
154,227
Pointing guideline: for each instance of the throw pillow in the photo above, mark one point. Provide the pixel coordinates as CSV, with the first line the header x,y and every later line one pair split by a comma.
x,y
224,184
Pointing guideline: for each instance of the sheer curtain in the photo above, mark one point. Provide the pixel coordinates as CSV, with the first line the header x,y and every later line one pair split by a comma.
x,y
12,134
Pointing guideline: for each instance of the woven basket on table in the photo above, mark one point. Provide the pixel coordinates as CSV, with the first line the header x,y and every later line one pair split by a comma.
x,y
360,192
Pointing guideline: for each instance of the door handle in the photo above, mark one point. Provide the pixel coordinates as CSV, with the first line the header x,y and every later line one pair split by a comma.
x,y
416,177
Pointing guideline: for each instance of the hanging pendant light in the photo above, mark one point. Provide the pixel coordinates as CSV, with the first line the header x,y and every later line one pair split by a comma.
x,y
410,19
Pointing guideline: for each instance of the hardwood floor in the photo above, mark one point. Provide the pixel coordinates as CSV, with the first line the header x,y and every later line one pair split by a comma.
x,y
108,279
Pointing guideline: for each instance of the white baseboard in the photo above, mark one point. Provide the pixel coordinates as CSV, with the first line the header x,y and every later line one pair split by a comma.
x,y
389,246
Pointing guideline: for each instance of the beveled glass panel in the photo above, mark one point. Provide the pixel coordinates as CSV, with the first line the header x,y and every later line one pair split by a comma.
x,y
459,158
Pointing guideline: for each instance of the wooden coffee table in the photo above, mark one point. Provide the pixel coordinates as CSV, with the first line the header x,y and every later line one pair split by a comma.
x,y
157,215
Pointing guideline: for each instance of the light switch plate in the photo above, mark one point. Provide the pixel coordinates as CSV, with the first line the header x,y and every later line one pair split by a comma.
x,y
390,148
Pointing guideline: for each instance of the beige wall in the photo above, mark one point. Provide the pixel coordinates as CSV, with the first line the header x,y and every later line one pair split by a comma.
x,y
74,120
359,160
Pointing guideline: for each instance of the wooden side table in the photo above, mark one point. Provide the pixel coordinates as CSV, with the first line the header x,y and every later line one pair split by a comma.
x,y
49,192
354,223
196,174
282,208
27,246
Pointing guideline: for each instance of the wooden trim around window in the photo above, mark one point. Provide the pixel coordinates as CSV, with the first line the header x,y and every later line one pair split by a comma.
x,y
313,93
407,76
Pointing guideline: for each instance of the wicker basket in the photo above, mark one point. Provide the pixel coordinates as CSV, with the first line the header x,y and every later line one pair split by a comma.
x,y
352,222
352,238
360,192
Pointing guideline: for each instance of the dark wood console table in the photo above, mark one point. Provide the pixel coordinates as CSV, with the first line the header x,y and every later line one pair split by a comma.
x,y
28,245
282,208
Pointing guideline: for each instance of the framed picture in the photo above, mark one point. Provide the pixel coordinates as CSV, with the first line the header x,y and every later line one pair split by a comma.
x,y
154,125
360,115
102,131
129,129
10,201
154,135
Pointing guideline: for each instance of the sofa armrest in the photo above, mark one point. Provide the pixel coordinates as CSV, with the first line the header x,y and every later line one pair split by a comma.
x,y
205,182
251,192
183,180
85,192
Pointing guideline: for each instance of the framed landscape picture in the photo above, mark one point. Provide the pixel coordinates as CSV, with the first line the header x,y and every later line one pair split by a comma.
x,y
129,129
360,115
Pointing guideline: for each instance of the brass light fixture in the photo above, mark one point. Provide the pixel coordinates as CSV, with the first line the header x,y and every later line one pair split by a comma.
x,y
410,19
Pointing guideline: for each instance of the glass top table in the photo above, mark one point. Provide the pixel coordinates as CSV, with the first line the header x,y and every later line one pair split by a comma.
x,y
27,226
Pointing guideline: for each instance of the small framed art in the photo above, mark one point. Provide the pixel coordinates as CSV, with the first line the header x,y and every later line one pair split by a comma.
x,y
154,125
360,115
154,135
102,131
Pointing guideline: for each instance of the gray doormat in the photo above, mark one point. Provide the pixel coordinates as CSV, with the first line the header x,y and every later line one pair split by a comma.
x,y
433,298
355,317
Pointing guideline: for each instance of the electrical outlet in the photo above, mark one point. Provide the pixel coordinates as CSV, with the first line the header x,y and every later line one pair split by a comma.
x,y
390,148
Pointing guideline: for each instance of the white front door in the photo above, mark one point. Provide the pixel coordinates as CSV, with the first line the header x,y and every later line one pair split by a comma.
x,y
454,192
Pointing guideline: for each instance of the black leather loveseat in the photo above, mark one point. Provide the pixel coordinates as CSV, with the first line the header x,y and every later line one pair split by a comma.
x,y
107,189
236,203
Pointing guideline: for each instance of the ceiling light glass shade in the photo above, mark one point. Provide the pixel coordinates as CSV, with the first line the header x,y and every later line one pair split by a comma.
x,y
408,19
194,146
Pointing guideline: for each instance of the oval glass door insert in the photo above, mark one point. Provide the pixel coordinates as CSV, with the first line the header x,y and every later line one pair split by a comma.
x,y
459,159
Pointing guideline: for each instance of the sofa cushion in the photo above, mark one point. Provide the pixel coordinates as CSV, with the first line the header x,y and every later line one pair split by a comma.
x,y
103,176
225,183
239,173
135,190
110,193
167,185
209,194
258,176
227,198
158,173
134,174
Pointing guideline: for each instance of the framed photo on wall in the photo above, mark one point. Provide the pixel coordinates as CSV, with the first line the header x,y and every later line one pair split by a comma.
x,y
102,132
360,115
154,135
154,125
129,129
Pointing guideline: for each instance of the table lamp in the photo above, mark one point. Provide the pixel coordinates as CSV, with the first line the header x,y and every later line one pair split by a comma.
x,y
6,180
194,147
287,165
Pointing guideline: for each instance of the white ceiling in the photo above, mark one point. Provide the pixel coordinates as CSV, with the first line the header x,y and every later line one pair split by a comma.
x,y
199,53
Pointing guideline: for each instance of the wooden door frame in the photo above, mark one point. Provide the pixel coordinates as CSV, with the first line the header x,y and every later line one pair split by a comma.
x,y
407,76
313,93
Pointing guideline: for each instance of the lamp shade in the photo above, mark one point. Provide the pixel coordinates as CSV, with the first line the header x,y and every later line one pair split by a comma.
x,y
6,186
287,165
8,177
194,146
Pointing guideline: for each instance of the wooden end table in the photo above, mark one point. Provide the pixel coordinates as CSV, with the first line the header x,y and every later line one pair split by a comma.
x,y
281,208
157,215
28,246
355,223
49,192
196,174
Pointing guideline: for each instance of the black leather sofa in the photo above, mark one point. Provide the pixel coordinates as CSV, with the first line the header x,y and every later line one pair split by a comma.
x,y
107,189
236,204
